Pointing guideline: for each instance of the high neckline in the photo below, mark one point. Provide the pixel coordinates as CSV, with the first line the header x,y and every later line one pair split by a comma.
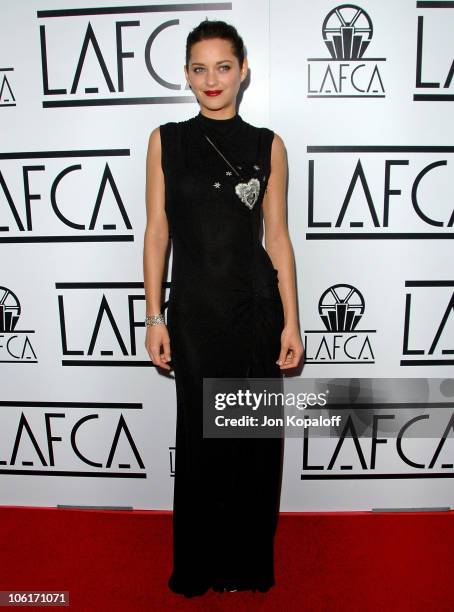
x,y
219,124
212,121
224,128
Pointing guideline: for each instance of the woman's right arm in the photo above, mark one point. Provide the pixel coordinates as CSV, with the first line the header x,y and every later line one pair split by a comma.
x,y
156,241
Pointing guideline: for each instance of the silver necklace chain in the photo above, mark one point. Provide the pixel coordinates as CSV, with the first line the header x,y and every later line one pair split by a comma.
x,y
226,160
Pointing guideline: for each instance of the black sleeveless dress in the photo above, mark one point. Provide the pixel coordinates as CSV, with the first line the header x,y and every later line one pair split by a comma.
x,y
224,317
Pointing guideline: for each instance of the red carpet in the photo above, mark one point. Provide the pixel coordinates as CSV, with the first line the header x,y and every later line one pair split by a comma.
x,y
118,560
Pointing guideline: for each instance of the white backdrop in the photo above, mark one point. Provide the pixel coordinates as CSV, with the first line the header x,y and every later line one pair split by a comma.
x,y
86,419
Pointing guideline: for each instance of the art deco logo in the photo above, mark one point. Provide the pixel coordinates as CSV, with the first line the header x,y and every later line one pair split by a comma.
x,y
112,329
6,89
347,36
72,439
434,55
15,344
105,55
347,32
341,308
83,196
370,192
429,323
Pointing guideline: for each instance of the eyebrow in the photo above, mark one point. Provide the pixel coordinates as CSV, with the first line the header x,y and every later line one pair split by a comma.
x,y
202,64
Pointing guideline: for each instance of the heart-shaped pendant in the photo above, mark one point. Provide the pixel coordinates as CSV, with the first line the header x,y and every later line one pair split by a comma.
x,y
248,192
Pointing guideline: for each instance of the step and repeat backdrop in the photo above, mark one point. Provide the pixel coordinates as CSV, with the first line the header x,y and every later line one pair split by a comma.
x,y
362,95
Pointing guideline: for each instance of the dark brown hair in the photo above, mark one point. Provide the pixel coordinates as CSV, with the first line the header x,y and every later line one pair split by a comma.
x,y
216,29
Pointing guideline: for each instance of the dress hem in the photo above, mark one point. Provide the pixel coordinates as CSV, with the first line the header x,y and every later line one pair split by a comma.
x,y
218,587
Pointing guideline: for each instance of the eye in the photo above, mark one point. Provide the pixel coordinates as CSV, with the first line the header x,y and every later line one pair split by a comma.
x,y
197,68
225,66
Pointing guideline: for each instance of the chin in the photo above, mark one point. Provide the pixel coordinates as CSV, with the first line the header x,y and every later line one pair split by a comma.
x,y
215,104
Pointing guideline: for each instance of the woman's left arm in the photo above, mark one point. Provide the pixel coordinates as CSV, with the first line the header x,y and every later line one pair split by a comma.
x,y
279,247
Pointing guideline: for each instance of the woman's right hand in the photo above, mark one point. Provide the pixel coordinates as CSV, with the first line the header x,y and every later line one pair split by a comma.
x,y
157,336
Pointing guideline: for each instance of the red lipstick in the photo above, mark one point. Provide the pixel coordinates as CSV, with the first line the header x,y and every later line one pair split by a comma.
x,y
213,92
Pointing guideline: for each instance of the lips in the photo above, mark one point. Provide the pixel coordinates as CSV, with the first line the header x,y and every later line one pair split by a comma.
x,y
213,92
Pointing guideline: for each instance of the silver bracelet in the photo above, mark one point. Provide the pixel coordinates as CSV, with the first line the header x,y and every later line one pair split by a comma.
x,y
157,319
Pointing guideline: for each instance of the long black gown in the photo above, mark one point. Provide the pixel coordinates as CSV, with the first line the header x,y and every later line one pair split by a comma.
x,y
225,317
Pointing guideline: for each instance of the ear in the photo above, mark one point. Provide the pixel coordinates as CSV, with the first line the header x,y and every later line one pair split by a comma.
x,y
187,76
244,69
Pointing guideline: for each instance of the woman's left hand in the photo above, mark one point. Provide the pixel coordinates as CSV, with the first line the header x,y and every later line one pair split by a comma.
x,y
291,347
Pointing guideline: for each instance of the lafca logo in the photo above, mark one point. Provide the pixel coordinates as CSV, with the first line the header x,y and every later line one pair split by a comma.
x,y
434,54
347,32
15,344
102,324
72,439
429,323
341,308
98,56
172,461
65,196
386,192
6,90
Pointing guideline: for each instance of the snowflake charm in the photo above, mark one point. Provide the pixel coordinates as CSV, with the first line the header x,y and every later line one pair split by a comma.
x,y
228,173
217,185
256,167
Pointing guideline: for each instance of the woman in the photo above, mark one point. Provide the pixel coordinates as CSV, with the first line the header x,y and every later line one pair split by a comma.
x,y
231,312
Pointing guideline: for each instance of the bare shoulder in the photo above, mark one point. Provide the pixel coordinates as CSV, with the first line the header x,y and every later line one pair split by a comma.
x,y
154,140
154,147
278,143
278,151
165,133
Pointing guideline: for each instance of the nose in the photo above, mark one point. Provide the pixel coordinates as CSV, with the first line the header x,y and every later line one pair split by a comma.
x,y
211,78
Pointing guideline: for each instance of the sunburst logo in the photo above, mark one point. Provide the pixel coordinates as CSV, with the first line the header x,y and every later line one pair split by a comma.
x,y
17,346
347,32
9,310
341,308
